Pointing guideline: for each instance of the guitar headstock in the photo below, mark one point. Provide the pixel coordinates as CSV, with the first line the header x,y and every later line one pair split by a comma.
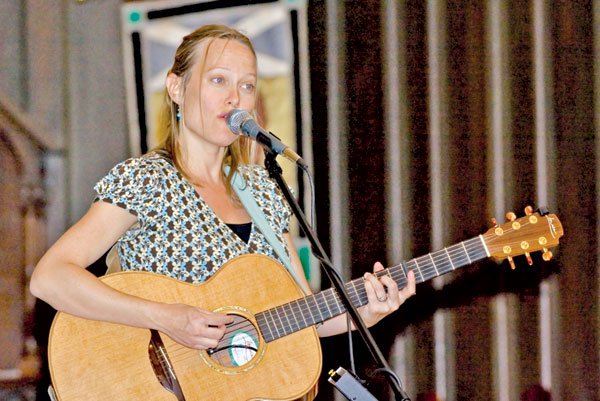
x,y
533,232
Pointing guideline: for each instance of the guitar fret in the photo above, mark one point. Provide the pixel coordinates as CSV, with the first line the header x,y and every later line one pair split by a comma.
x,y
479,244
419,269
449,258
274,325
300,312
263,325
425,272
434,266
353,282
486,251
280,325
442,262
314,299
284,311
310,319
353,295
359,295
458,253
340,308
404,272
306,310
466,252
325,299
474,249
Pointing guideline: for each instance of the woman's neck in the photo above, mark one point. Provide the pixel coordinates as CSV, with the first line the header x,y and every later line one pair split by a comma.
x,y
204,164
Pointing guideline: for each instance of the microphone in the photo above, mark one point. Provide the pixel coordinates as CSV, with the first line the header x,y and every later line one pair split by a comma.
x,y
240,121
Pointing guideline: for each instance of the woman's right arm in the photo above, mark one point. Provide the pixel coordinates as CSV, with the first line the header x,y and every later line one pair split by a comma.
x,y
61,280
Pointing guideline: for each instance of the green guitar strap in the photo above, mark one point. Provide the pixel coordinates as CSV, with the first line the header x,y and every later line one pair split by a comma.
x,y
243,191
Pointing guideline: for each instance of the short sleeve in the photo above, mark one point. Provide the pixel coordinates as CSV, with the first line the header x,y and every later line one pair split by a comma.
x,y
130,185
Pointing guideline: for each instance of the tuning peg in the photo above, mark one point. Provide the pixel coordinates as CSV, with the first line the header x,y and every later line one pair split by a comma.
x,y
510,216
547,255
529,261
528,210
512,263
543,210
494,222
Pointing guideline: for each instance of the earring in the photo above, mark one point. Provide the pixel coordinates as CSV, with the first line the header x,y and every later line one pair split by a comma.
x,y
178,114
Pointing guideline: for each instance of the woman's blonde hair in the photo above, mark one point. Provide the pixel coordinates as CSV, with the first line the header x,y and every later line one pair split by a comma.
x,y
240,151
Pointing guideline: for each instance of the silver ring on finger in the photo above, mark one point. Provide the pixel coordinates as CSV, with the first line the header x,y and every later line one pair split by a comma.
x,y
383,298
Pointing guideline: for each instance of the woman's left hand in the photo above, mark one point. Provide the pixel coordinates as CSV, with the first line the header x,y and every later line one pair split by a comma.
x,y
384,296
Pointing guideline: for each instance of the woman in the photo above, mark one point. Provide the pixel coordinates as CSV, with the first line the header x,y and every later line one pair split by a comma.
x,y
173,210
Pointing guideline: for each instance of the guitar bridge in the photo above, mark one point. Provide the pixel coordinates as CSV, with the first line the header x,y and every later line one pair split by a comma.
x,y
163,369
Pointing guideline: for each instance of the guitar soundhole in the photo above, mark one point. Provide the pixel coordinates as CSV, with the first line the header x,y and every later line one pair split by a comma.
x,y
238,346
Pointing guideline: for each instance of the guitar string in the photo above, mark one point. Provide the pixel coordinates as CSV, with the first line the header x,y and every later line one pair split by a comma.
x,y
188,353
397,274
429,266
325,296
178,352
427,261
285,329
472,247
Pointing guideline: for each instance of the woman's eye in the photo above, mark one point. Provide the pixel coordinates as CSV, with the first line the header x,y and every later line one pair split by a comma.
x,y
248,87
217,80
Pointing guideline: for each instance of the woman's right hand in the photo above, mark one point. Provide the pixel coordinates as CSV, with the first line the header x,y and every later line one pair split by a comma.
x,y
190,326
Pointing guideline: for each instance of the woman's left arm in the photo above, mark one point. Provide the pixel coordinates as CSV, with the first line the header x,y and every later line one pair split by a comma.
x,y
381,302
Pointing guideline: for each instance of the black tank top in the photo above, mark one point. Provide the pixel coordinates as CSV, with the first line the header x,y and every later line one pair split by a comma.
x,y
242,230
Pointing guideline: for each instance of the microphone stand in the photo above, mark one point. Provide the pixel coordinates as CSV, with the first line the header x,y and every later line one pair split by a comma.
x,y
275,172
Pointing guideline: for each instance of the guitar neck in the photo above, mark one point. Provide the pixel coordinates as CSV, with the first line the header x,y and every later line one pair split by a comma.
x,y
304,312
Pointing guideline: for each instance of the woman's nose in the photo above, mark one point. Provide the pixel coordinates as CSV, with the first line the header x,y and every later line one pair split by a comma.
x,y
233,98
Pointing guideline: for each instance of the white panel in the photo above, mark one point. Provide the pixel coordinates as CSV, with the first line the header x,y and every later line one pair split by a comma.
x,y
396,131
396,135
504,354
438,117
337,144
545,159
402,360
444,353
305,105
498,112
504,331
338,179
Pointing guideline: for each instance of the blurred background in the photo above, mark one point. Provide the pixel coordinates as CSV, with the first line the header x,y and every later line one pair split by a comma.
x,y
421,120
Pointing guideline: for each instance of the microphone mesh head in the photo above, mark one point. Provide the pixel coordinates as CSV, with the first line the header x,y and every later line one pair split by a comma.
x,y
235,118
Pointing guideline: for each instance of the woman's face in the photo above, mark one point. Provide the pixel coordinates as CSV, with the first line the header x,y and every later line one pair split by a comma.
x,y
224,81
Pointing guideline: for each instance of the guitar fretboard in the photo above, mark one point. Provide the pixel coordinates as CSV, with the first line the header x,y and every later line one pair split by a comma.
x,y
304,312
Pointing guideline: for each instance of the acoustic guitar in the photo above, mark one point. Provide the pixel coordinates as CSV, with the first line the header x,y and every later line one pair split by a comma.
x,y
270,352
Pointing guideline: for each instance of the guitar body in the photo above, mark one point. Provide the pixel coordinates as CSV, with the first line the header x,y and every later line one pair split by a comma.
x,y
92,360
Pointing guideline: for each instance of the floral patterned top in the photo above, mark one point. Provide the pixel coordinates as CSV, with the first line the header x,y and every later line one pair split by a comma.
x,y
177,233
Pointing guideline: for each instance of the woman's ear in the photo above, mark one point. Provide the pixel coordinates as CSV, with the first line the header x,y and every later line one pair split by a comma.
x,y
174,88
